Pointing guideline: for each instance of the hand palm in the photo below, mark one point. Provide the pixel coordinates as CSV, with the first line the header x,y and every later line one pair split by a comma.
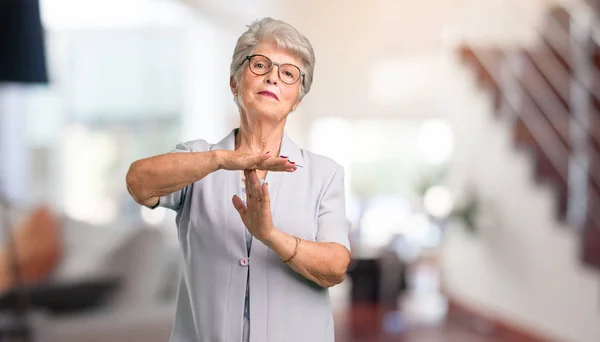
x,y
256,212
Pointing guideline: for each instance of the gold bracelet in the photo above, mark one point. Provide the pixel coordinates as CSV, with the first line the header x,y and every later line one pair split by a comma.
x,y
295,250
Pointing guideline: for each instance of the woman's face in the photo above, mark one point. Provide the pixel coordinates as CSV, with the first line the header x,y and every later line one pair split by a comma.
x,y
267,96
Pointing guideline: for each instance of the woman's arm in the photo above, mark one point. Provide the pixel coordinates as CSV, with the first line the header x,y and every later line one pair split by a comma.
x,y
324,263
150,178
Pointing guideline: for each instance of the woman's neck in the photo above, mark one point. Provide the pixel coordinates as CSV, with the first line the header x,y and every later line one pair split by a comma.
x,y
259,137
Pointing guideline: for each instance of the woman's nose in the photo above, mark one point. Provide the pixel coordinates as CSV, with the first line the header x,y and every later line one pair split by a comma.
x,y
272,76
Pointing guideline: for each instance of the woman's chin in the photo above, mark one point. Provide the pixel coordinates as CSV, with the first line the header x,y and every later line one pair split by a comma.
x,y
268,113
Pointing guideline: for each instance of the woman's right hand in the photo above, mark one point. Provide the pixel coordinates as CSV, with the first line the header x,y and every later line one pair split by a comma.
x,y
235,160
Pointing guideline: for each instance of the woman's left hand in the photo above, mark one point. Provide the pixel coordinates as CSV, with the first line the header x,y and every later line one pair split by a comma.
x,y
256,213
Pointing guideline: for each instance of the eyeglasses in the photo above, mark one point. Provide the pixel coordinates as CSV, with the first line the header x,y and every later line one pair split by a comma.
x,y
261,65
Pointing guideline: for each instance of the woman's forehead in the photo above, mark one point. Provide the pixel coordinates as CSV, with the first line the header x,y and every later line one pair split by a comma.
x,y
276,54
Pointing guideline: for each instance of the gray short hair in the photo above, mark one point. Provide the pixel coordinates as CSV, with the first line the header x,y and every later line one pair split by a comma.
x,y
285,36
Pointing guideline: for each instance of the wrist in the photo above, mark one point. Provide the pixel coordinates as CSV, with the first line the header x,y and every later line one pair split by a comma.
x,y
216,160
283,244
270,238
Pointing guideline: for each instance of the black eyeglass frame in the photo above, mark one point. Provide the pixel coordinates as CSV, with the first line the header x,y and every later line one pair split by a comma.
x,y
248,58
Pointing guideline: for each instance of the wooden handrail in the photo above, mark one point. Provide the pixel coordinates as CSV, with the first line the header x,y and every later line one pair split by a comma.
x,y
538,90
543,134
554,72
545,99
548,143
552,39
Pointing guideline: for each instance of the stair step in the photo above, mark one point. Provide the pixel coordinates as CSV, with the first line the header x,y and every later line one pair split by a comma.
x,y
590,243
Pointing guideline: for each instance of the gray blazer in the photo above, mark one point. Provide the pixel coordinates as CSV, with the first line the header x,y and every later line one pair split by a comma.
x,y
284,306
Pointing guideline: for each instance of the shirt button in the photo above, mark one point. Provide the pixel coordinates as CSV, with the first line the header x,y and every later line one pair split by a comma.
x,y
244,262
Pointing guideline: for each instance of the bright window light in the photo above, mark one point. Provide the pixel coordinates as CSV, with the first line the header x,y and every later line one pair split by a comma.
x,y
435,141
384,218
93,14
438,201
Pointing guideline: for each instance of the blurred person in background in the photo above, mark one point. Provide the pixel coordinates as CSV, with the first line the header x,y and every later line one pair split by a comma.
x,y
257,266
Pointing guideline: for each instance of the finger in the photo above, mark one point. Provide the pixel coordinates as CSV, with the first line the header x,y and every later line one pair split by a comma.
x,y
265,194
277,164
238,204
258,160
289,167
249,191
251,194
266,202
255,183
274,161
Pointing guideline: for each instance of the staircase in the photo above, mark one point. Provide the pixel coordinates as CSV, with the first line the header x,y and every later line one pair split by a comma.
x,y
550,94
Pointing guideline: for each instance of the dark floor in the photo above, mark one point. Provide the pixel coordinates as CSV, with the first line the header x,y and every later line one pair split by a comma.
x,y
419,314
367,324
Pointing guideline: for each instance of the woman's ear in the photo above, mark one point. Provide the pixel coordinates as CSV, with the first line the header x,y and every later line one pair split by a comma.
x,y
296,104
233,86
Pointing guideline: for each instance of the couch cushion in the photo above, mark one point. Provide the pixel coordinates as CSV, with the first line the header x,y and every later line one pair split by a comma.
x,y
86,249
139,260
37,238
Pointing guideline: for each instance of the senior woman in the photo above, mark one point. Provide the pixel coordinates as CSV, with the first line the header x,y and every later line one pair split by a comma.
x,y
261,221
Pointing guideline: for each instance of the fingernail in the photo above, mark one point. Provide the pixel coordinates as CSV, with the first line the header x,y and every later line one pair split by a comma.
x,y
283,156
292,162
295,168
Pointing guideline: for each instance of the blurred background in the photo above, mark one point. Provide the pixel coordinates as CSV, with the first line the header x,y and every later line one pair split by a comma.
x,y
468,129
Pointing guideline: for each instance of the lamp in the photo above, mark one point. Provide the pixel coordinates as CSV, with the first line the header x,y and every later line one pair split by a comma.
x,y
22,54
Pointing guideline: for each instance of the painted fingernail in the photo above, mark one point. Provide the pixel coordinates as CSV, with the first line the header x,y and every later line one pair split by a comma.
x,y
291,162
283,156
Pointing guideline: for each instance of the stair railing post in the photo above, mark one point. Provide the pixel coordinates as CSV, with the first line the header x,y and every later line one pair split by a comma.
x,y
509,85
580,104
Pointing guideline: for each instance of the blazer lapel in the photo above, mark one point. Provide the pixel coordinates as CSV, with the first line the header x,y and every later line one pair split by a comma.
x,y
274,179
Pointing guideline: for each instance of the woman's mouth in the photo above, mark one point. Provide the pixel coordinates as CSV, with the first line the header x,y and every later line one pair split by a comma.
x,y
269,94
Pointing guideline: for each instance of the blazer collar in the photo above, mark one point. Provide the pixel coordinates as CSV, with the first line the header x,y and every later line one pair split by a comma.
x,y
288,147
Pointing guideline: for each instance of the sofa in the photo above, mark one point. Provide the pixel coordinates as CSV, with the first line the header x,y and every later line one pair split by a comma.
x,y
144,259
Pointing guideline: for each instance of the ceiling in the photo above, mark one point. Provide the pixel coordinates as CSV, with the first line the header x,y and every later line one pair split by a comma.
x,y
390,57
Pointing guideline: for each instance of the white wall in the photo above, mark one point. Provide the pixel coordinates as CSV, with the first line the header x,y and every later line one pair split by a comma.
x,y
523,266
208,108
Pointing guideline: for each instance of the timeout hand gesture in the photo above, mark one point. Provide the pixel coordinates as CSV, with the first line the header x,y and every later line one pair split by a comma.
x,y
256,213
235,160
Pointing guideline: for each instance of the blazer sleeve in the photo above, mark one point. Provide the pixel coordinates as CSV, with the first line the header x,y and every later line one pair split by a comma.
x,y
174,200
333,225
